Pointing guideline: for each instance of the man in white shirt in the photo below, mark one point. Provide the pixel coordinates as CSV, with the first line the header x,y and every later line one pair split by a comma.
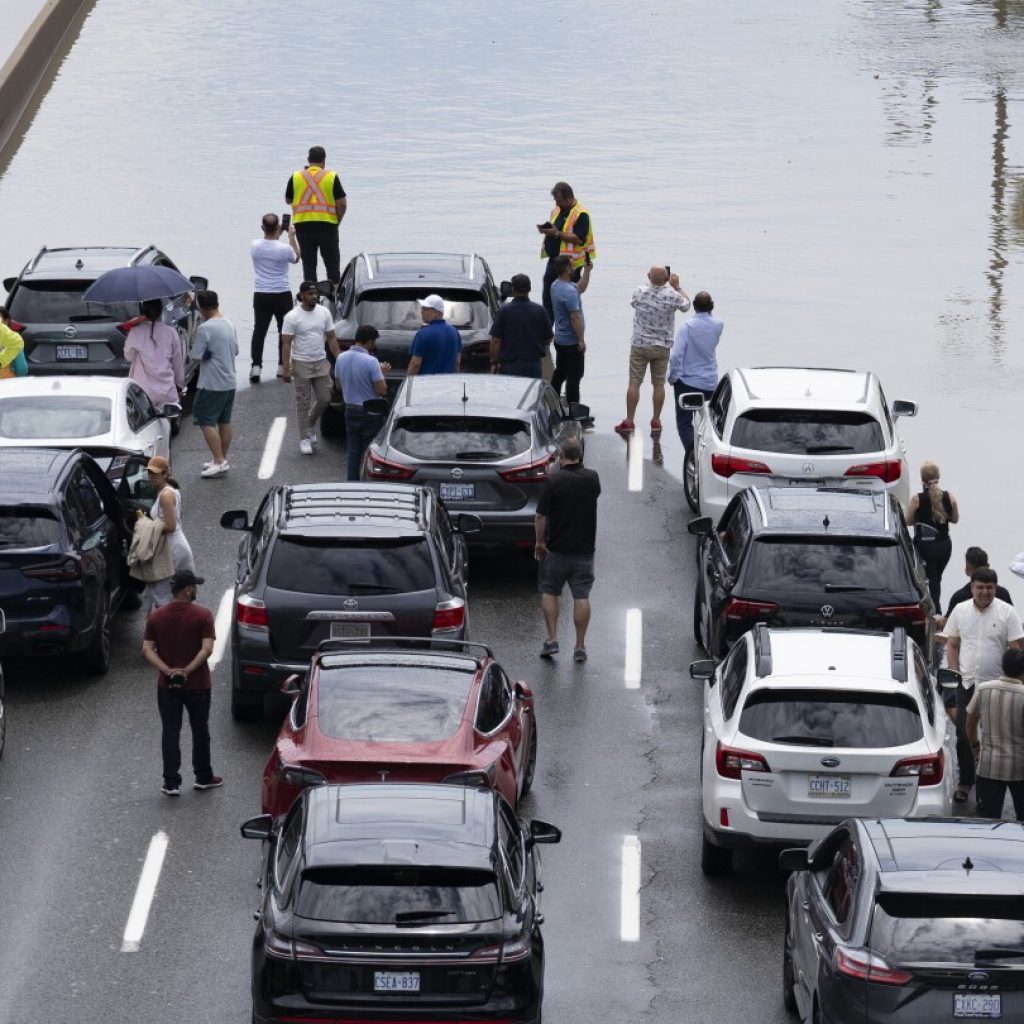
x,y
307,329
978,633
272,295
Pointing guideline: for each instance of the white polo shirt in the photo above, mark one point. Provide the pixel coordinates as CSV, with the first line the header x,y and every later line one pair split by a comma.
x,y
984,636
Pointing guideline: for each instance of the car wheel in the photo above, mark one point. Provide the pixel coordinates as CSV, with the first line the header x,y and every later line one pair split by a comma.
x,y
788,975
175,426
697,619
332,422
3,720
245,707
714,860
531,762
690,481
96,658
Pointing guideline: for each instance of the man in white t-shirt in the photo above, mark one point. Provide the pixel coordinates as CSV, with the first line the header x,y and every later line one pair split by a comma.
x,y
978,632
272,294
308,328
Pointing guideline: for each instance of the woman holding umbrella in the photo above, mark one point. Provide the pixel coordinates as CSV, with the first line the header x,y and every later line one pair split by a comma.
x,y
153,351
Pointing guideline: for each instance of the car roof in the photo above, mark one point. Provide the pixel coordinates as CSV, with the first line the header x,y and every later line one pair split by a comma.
x,y
431,824
804,656
31,472
801,387
429,270
444,394
108,387
354,509
823,509
83,262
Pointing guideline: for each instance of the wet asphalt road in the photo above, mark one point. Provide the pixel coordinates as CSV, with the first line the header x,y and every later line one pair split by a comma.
x,y
80,799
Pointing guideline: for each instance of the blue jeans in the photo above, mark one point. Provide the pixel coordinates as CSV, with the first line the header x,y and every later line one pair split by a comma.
x,y
684,417
361,428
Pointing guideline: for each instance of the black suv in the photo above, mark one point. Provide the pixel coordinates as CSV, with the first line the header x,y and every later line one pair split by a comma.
x,y
63,546
386,901
808,556
323,561
65,334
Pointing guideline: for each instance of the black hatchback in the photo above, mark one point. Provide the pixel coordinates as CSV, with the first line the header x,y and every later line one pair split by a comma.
x,y
390,902
808,556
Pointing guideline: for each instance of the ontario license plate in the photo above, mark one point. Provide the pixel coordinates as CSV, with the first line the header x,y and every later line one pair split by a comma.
x,y
396,981
458,492
349,630
828,785
72,352
970,1006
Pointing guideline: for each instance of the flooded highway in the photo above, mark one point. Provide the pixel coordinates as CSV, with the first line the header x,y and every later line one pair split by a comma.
x,y
846,179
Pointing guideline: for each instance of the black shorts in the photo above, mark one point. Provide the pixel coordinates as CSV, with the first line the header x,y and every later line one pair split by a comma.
x,y
556,570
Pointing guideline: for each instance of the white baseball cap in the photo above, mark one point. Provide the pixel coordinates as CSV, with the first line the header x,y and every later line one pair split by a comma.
x,y
433,302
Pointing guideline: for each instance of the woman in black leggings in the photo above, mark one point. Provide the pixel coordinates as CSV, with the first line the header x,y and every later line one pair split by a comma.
x,y
936,508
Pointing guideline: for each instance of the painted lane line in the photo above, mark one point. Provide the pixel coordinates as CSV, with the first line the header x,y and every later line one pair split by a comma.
x,y
634,647
139,914
631,889
222,627
635,458
275,438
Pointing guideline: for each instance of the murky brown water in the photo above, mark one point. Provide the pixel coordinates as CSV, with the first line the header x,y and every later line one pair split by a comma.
x,y
845,178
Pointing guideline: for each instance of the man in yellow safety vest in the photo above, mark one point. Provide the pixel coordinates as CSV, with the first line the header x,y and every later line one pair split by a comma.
x,y
318,205
569,232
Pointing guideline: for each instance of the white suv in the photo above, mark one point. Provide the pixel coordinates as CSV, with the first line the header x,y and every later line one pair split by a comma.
x,y
792,424
806,727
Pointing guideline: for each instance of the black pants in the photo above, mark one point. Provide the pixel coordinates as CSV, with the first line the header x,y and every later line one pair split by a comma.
x,y
172,703
568,370
935,554
684,417
361,427
991,795
549,277
964,754
522,368
267,306
318,236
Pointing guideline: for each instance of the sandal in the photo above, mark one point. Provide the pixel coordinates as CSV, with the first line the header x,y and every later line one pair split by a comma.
x,y
961,794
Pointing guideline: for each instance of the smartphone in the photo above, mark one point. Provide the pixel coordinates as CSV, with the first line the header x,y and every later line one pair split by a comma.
x,y
546,224
668,270
286,221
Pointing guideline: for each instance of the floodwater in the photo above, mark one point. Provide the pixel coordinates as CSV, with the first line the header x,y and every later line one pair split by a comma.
x,y
844,178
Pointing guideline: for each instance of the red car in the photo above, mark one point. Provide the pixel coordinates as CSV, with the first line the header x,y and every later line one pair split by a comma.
x,y
403,711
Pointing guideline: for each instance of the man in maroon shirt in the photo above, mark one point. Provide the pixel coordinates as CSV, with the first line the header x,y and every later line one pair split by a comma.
x,y
178,643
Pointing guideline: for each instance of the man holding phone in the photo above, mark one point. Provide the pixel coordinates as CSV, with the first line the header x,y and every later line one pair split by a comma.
x,y
567,232
272,295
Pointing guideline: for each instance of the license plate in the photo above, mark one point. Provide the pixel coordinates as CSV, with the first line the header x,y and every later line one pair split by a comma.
x,y
72,352
396,981
458,492
349,630
977,1007
828,785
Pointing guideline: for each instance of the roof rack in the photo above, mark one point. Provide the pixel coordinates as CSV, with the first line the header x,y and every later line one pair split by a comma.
x,y
898,650
422,643
762,650
35,259
139,253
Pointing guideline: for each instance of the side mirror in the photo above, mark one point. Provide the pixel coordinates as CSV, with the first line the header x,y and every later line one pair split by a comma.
x,y
579,411
292,686
703,669
691,400
237,520
948,678
926,533
171,410
901,408
326,289
466,522
794,860
505,290
9,283
523,692
201,283
259,827
542,832
702,527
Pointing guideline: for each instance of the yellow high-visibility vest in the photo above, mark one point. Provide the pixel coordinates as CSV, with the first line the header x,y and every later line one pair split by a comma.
x,y
313,196
571,248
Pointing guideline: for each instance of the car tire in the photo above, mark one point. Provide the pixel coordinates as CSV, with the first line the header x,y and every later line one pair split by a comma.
x,y
690,483
332,422
715,861
245,707
788,975
531,761
96,657
697,619
175,426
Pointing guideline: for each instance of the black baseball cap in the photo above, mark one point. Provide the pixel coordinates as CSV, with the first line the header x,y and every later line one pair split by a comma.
x,y
183,579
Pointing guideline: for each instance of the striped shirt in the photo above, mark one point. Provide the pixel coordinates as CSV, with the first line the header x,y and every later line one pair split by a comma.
x,y
999,705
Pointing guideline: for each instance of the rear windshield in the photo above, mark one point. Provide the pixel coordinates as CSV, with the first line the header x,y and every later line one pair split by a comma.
x,y
401,704
56,416
807,432
776,564
913,927
831,718
460,437
61,302
28,528
398,309
398,895
329,566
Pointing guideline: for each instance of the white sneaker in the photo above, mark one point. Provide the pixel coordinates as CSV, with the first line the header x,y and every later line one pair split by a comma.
x,y
254,373
313,439
215,469
209,462
305,446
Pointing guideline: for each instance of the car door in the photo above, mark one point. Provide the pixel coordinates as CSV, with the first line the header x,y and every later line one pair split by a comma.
x,y
454,551
722,550
721,694
150,431
497,730
134,490
513,853
710,440
86,522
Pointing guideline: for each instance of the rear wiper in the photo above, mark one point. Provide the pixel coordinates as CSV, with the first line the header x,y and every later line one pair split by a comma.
x,y
86,317
821,449
996,953
476,455
807,741
408,916
846,588
379,588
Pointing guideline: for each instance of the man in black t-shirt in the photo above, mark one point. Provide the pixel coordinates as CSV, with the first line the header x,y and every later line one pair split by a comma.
x,y
566,531
974,558
520,334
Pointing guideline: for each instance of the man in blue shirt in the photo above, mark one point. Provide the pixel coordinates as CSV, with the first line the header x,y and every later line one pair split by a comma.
x,y
437,346
570,344
361,379
693,365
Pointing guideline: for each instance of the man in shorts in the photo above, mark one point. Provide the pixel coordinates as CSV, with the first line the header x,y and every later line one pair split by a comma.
x,y
215,347
654,315
566,531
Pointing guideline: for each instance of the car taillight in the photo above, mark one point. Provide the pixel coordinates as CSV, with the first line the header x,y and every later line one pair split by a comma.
x,y
929,768
298,775
737,608
730,762
15,326
475,777
62,570
510,950
127,325
449,615
888,470
281,947
534,473
912,613
727,465
865,966
251,613
383,469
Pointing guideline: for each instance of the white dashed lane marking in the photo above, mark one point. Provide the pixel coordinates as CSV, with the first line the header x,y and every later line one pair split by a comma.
x,y
631,889
139,914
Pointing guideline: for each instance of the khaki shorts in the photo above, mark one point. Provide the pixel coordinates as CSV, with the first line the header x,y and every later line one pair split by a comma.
x,y
642,356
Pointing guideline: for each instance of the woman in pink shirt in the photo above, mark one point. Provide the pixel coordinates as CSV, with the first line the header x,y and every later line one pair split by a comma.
x,y
153,351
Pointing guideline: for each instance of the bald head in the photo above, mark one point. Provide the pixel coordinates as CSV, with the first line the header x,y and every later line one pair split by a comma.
x,y
658,276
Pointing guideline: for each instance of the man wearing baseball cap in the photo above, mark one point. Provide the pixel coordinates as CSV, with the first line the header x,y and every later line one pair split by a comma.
x,y
437,346
178,643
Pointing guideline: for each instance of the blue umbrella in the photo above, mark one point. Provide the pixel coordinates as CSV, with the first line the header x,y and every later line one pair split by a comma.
x,y
137,284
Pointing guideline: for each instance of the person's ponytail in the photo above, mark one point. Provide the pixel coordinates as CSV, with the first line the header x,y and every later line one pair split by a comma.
x,y
930,481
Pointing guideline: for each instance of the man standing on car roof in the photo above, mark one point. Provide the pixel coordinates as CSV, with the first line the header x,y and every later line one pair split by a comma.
x,y
567,232
520,334
437,346
318,204
361,379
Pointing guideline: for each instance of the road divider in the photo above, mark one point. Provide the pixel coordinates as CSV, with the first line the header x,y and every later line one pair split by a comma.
x,y
275,438
222,627
634,648
631,889
635,461
139,914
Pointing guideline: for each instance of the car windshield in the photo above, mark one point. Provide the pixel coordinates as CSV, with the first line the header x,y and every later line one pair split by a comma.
x,y
24,527
403,703
61,302
808,432
782,564
831,718
399,894
451,438
316,565
398,309
56,416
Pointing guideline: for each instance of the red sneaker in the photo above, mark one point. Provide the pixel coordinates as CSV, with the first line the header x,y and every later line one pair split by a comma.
x,y
655,429
624,428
